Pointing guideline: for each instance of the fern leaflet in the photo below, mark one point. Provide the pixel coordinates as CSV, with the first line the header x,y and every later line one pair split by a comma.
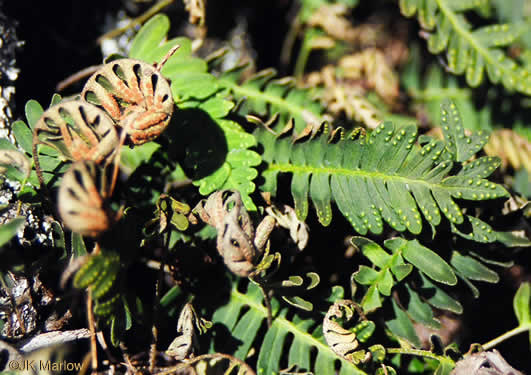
x,y
244,315
381,177
201,113
471,51
266,95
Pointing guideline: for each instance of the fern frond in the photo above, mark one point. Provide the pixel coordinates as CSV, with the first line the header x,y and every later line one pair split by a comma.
x,y
431,89
244,314
381,177
201,113
267,96
391,269
99,273
51,161
470,51
340,96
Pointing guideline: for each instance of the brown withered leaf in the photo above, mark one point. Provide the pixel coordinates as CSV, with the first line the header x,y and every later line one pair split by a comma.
x,y
513,149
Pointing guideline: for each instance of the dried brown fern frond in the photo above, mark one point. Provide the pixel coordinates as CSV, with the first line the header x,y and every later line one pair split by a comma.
x,y
513,149
346,83
340,96
332,19
370,65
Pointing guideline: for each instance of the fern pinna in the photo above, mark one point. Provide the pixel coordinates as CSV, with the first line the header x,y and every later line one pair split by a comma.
x,y
384,176
278,99
471,51
244,315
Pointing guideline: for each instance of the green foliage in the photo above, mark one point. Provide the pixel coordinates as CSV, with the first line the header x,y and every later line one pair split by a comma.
x,y
99,273
278,100
215,149
391,269
431,88
244,315
388,181
10,229
522,307
381,177
471,51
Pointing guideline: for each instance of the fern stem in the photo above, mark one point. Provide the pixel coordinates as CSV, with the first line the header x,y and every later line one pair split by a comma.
x,y
416,352
156,8
293,168
289,41
91,323
513,332
267,301
288,107
304,54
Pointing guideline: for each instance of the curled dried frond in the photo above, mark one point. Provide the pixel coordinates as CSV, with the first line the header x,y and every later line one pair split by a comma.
x,y
342,341
484,363
332,19
78,131
188,325
136,96
341,96
286,217
82,199
196,10
371,66
237,242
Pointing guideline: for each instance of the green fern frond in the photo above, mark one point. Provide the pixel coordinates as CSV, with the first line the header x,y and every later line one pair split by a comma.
x,y
244,315
99,273
431,88
381,177
195,94
267,96
392,268
470,51
51,161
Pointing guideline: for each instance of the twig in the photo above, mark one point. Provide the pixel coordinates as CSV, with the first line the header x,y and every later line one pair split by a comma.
x,y
267,302
93,344
53,338
83,73
513,332
137,21
158,285
13,304
158,66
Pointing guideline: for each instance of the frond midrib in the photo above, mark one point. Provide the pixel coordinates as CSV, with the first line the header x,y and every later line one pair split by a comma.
x,y
292,168
431,94
244,91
